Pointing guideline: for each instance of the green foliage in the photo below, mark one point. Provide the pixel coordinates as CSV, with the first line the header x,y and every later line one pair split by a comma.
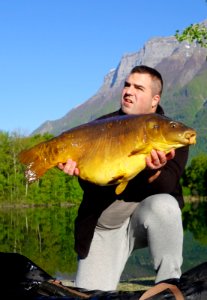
x,y
54,187
195,176
194,33
74,192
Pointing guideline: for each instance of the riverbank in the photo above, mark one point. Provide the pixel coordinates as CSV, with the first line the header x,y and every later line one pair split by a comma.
x,y
132,285
9,205
192,199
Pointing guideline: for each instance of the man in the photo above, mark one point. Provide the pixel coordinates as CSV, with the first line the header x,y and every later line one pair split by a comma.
x,y
148,213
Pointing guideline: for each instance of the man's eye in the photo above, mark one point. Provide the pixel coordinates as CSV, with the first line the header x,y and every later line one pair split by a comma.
x,y
126,84
139,87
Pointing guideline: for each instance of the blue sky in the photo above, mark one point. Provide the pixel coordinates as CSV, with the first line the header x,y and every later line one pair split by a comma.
x,y
54,54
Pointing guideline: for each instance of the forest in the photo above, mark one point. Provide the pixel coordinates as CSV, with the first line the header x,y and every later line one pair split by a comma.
x,y
53,188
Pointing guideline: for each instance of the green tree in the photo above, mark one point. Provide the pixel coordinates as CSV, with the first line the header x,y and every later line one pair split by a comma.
x,y
10,145
54,187
195,175
195,33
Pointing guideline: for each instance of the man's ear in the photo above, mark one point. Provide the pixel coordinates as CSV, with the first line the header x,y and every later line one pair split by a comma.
x,y
155,101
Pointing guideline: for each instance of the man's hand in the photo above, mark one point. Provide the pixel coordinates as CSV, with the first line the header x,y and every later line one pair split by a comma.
x,y
158,159
69,167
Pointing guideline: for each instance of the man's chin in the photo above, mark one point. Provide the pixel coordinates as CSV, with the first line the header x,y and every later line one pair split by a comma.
x,y
127,110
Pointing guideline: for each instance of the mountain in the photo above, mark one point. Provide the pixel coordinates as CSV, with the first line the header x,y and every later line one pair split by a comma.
x,y
184,70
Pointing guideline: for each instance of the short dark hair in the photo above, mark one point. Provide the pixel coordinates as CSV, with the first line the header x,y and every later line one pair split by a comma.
x,y
142,69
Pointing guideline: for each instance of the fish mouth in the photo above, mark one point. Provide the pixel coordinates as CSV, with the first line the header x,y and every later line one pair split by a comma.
x,y
190,138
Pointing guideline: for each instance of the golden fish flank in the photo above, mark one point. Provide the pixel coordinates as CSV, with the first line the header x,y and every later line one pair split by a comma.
x,y
109,151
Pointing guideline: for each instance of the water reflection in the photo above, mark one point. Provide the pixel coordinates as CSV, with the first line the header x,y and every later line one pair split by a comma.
x,y
45,235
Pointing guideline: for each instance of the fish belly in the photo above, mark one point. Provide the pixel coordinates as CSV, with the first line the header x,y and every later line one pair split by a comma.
x,y
106,172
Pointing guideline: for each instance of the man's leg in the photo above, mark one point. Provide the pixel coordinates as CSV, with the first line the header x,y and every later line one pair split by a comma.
x,y
102,268
157,222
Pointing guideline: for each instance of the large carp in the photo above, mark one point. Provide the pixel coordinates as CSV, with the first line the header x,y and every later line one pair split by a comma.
x,y
108,151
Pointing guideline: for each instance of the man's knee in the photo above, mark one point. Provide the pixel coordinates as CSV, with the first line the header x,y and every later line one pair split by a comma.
x,y
161,207
163,203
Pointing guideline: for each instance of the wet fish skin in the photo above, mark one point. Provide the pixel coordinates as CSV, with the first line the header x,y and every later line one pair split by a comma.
x,y
108,151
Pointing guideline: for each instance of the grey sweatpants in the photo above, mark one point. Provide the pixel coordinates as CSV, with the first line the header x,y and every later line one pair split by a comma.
x,y
156,223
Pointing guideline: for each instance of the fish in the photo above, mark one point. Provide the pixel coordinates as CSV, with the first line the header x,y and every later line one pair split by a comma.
x,y
108,151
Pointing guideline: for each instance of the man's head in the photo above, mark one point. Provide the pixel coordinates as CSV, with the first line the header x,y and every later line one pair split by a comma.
x,y
142,91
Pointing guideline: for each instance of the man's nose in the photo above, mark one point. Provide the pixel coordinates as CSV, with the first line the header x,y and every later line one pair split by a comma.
x,y
130,90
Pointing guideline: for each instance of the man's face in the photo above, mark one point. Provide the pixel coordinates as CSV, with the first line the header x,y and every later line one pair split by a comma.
x,y
138,96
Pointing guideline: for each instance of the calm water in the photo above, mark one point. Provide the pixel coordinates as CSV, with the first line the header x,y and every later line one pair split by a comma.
x,y
45,235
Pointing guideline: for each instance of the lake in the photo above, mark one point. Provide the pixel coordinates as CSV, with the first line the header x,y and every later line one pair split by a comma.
x,y
45,235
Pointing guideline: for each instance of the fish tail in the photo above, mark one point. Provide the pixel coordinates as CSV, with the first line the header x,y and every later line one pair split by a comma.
x,y
35,162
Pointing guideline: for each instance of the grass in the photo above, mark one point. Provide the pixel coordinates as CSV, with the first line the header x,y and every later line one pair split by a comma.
x,y
131,285
136,284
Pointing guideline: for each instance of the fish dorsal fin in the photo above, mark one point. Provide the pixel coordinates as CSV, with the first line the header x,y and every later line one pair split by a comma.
x,y
121,187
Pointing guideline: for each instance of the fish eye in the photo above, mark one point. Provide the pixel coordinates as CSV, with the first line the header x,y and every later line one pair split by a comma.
x,y
156,126
173,124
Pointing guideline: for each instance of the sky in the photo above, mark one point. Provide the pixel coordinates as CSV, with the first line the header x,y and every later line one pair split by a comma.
x,y
54,54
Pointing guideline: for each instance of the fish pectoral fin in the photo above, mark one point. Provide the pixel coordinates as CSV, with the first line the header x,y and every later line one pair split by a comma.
x,y
121,187
144,149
